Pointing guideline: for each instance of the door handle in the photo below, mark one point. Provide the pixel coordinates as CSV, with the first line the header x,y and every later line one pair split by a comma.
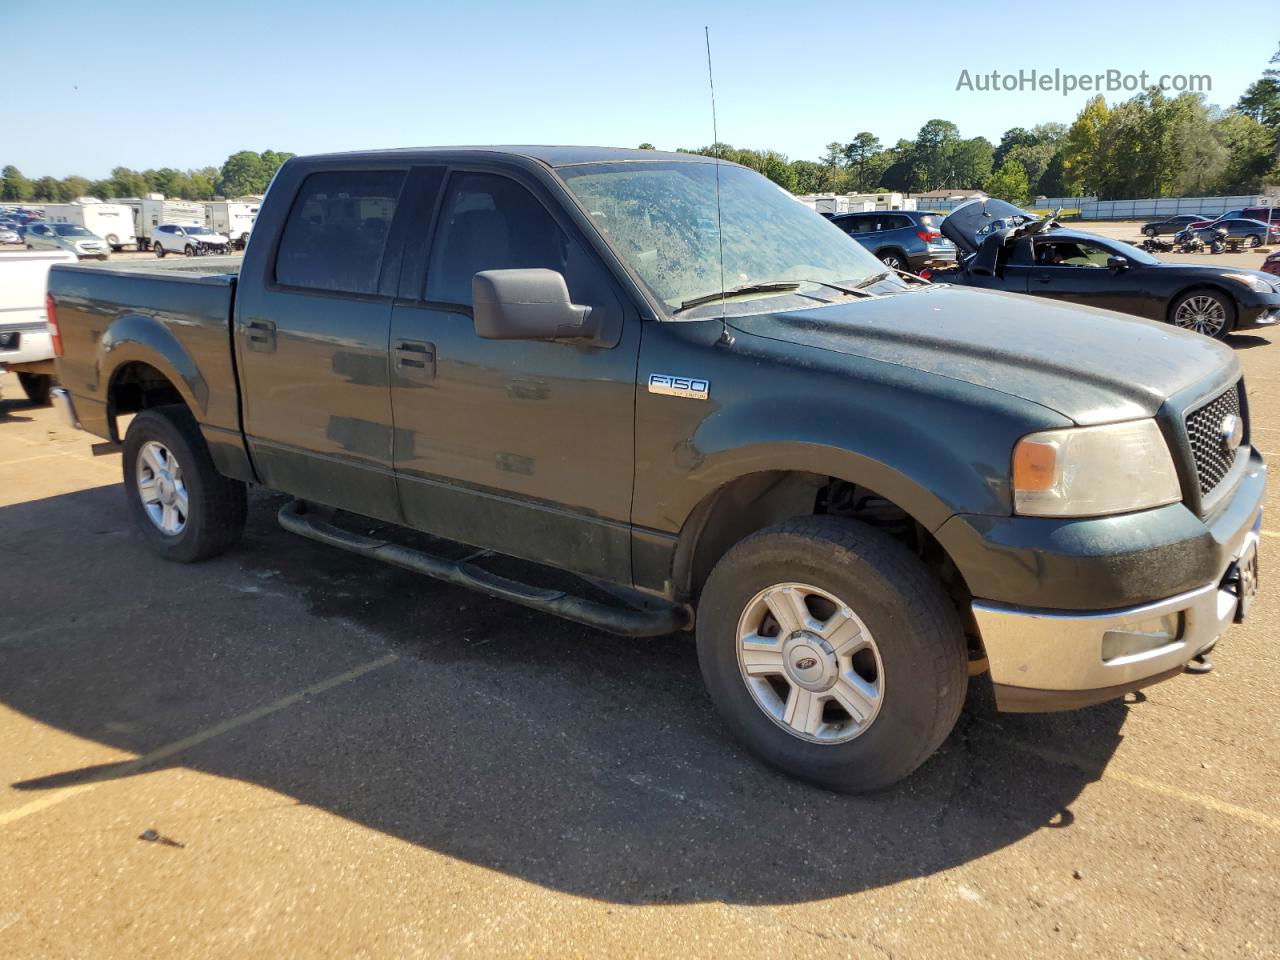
x,y
261,335
414,360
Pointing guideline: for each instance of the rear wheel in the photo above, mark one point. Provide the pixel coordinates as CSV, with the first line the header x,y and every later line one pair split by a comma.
x,y
186,509
1252,241
36,386
893,260
1151,231
1204,311
113,242
832,653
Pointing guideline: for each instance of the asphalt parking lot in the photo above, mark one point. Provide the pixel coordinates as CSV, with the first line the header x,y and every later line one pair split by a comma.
x,y
291,751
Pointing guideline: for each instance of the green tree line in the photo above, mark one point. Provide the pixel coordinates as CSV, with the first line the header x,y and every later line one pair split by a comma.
x,y
243,172
1148,146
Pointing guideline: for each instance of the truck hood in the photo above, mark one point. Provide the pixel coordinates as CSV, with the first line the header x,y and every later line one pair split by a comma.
x,y
1092,366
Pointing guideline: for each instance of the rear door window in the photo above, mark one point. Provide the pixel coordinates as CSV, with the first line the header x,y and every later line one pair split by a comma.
x,y
337,230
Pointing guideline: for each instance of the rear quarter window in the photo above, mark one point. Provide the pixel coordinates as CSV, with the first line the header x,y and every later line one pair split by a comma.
x,y
337,230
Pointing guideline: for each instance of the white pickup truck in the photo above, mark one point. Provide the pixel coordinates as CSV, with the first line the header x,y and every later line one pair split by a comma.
x,y
26,346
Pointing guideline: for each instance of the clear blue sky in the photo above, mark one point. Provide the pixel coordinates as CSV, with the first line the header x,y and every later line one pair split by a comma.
x,y
88,86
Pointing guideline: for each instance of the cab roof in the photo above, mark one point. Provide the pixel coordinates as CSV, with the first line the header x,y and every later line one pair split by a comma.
x,y
552,156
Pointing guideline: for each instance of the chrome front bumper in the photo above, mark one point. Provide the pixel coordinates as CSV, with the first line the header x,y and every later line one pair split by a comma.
x,y
1060,660
62,400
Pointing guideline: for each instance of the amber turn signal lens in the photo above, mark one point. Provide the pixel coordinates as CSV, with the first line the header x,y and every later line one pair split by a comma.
x,y
1034,466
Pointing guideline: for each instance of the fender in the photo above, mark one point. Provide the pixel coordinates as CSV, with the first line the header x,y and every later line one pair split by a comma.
x,y
136,337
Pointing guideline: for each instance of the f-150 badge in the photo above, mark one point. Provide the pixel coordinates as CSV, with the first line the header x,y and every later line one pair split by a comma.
x,y
673,386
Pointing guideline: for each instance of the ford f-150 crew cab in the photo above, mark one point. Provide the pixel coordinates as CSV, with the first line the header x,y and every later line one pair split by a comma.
x,y
665,380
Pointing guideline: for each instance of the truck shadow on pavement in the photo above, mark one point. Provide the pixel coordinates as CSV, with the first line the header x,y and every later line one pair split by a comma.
x,y
582,762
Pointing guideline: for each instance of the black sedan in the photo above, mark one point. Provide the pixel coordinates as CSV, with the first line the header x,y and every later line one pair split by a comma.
x,y
1172,224
1028,255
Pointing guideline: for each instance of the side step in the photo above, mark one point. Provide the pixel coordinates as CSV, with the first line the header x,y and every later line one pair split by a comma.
x,y
628,621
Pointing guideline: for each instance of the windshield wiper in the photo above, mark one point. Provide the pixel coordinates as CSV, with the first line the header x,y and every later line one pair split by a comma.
x,y
746,288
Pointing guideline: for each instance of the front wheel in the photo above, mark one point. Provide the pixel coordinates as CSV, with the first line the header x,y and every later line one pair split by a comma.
x,y
186,509
1204,311
832,652
189,250
159,250
36,386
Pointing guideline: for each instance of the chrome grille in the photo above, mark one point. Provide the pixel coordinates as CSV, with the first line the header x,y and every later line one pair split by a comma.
x,y
1204,430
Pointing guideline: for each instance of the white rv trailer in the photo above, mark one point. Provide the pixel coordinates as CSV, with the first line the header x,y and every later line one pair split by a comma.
x,y
231,218
153,210
113,222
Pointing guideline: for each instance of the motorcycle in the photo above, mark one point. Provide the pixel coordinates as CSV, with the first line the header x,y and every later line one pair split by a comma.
x,y
1188,241
1156,245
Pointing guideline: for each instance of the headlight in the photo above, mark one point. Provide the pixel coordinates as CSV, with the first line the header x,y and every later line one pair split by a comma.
x,y
1256,284
1092,471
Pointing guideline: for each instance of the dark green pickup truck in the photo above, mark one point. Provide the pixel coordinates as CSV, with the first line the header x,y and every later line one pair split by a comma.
x,y
668,381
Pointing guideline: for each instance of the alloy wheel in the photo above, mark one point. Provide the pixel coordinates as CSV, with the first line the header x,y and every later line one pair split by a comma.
x,y
1201,313
810,663
161,488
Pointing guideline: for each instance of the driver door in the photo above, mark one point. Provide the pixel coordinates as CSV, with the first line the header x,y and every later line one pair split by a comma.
x,y
1076,270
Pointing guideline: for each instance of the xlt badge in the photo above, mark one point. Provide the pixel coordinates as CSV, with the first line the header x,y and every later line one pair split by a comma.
x,y
692,387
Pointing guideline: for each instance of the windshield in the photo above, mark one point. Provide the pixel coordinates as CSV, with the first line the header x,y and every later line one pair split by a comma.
x,y
197,231
70,230
661,217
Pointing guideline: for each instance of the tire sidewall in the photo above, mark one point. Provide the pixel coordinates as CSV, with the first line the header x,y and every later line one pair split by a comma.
x,y
159,425
876,757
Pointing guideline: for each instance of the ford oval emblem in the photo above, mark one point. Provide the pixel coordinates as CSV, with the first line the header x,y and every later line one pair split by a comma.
x,y
1231,433
806,663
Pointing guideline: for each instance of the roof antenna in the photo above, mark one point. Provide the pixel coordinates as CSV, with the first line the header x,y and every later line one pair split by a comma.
x,y
726,338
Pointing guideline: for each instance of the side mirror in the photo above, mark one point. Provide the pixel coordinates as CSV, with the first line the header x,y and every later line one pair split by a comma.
x,y
527,304
1117,263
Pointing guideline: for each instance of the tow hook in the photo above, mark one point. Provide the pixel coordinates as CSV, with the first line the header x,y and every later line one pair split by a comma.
x,y
1200,663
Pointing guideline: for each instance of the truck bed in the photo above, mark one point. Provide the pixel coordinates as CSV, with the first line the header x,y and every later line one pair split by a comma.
x,y
134,318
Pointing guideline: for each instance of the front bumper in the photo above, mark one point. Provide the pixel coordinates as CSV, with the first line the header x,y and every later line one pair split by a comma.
x,y
1044,660
1261,310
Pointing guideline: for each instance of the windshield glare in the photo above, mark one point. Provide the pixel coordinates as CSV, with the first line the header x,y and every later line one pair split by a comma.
x,y
661,217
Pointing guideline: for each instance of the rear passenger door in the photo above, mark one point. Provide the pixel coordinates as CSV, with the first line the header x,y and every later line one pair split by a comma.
x,y
522,446
311,341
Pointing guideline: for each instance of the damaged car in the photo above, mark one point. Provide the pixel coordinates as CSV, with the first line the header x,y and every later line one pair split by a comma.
x,y
1003,247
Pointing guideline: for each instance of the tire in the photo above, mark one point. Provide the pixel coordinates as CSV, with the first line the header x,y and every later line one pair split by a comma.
x,y
1204,311
1252,241
113,242
893,260
36,386
1151,231
159,250
216,505
916,653
188,251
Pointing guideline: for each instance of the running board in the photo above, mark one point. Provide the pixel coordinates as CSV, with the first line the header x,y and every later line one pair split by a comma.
x,y
629,622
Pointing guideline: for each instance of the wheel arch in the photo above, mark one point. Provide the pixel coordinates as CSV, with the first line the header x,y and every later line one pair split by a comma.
x,y
144,366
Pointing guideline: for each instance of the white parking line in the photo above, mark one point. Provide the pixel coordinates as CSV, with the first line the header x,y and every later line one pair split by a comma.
x,y
114,772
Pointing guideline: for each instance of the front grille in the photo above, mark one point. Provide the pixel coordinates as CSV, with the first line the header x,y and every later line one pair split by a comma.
x,y
1204,430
